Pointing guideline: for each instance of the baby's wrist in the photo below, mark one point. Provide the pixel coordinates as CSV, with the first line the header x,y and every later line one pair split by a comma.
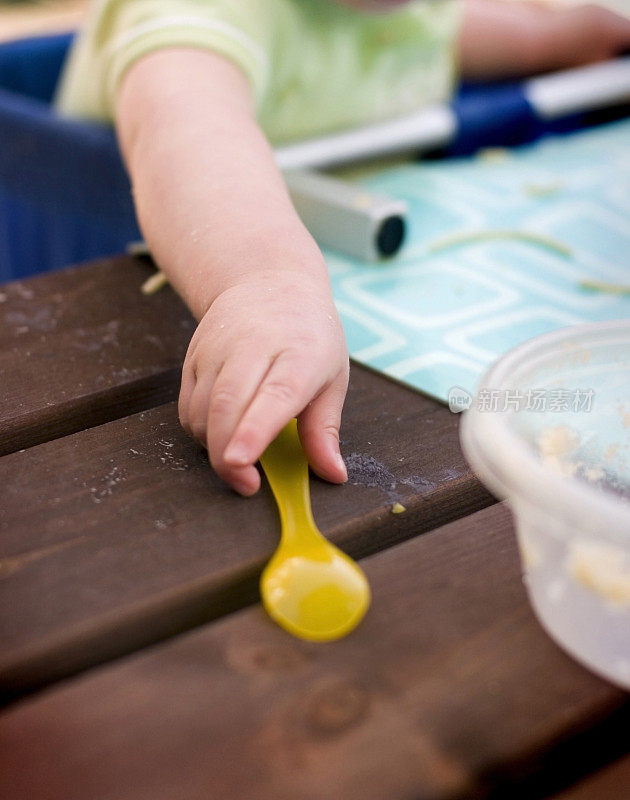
x,y
269,265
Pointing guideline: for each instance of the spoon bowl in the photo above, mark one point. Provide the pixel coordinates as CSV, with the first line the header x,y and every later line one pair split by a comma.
x,y
309,587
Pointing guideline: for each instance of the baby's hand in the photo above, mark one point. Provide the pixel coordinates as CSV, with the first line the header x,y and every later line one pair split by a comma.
x,y
505,40
267,350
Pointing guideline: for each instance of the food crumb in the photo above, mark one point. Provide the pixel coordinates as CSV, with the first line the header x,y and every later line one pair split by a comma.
x,y
602,568
594,474
494,155
555,446
556,443
154,283
398,508
604,287
611,452
542,189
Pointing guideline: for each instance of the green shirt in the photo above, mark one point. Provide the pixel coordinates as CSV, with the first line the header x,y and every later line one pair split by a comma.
x,y
314,66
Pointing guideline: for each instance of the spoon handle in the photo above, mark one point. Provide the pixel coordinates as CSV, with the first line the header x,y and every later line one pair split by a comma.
x,y
286,469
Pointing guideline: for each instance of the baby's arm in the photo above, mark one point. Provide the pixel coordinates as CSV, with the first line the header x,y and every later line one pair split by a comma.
x,y
214,210
504,40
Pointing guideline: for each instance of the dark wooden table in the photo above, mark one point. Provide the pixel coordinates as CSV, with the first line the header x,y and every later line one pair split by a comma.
x,y
135,659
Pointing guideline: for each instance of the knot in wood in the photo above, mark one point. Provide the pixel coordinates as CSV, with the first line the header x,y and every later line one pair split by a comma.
x,y
255,658
334,707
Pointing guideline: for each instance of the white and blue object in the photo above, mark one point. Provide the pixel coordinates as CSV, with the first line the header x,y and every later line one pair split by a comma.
x,y
474,119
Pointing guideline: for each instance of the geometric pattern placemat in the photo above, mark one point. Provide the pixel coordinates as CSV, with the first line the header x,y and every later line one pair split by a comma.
x,y
457,296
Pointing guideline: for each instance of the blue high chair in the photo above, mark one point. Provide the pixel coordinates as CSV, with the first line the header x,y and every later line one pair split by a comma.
x,y
64,193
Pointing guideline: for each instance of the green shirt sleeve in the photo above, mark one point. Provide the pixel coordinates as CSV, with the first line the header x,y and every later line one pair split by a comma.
x,y
119,32
314,65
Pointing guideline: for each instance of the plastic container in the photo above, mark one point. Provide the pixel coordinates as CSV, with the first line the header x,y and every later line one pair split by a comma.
x,y
549,431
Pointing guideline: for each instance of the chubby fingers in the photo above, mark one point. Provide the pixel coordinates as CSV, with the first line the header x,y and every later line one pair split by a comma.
x,y
238,392
237,408
285,391
212,401
318,426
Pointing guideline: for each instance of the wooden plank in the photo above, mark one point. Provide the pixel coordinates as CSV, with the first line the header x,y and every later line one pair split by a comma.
x,y
83,346
121,535
448,689
610,783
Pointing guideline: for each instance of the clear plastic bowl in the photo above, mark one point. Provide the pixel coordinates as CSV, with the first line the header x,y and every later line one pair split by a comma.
x,y
549,431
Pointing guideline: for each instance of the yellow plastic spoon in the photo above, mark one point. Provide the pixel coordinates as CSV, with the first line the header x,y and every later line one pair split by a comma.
x,y
309,587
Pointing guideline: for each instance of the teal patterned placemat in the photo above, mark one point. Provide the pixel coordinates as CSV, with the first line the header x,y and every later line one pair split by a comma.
x,y
438,314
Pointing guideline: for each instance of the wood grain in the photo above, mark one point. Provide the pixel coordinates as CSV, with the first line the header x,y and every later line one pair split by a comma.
x,y
448,689
121,535
609,783
82,346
